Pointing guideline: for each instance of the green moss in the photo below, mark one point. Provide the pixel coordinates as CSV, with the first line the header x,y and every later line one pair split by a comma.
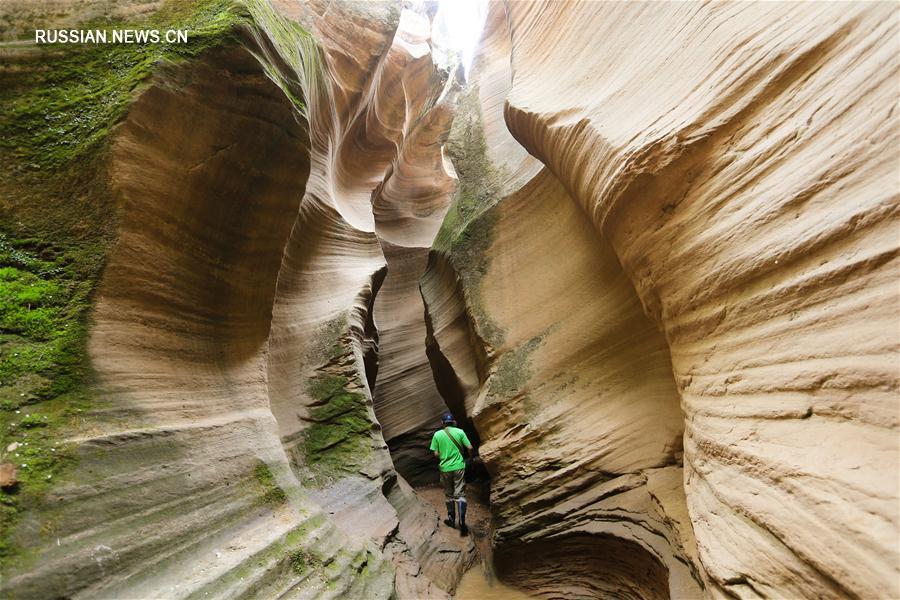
x,y
338,439
275,496
57,219
44,299
467,231
56,222
45,290
469,257
298,49
27,303
271,492
299,560
480,182
45,293
63,106
513,371
33,420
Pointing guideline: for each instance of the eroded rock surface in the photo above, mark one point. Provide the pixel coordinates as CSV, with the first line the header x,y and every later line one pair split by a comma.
x,y
409,207
709,255
664,293
233,449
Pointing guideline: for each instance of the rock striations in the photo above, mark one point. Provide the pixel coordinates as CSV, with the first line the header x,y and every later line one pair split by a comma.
x,y
648,251
233,449
678,340
409,206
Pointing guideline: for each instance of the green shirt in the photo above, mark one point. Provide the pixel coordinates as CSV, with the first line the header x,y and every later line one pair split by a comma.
x,y
451,458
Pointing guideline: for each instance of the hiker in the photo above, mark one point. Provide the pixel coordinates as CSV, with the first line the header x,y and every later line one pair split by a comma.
x,y
447,445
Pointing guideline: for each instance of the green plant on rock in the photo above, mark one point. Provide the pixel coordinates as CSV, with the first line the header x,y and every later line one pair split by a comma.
x,y
56,222
33,420
272,493
45,292
338,438
298,49
299,560
57,114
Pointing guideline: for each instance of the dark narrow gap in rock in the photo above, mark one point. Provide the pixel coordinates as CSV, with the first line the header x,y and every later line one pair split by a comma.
x,y
391,369
452,392
370,331
479,580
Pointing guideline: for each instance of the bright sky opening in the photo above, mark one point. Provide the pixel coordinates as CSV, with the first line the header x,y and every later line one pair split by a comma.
x,y
456,31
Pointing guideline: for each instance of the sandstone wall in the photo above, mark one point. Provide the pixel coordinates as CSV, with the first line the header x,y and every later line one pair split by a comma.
x,y
409,206
663,290
728,178
234,450
181,476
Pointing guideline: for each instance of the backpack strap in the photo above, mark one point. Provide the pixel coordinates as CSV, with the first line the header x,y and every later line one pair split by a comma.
x,y
455,443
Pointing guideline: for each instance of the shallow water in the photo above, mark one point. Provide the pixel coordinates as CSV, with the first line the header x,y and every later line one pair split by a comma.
x,y
477,585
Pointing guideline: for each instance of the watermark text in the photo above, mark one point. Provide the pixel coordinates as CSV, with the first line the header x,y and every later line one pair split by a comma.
x,y
110,36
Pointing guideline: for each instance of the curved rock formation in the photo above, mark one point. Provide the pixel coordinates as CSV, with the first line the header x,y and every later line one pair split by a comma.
x,y
181,476
578,414
233,450
586,566
734,160
370,114
409,206
659,279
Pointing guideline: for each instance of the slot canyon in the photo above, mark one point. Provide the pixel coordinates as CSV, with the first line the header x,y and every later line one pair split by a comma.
x,y
646,254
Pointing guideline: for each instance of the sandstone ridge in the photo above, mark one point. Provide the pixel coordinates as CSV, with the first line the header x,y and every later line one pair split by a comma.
x,y
704,383
648,255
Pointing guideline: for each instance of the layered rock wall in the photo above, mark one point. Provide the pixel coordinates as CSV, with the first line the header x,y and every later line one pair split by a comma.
x,y
409,206
731,273
181,475
379,106
664,293
233,449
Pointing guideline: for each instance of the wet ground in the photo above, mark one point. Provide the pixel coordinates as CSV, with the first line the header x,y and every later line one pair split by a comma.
x,y
479,582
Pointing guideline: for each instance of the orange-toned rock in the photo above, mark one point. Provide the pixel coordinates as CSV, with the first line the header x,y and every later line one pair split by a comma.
x,y
237,452
9,475
736,165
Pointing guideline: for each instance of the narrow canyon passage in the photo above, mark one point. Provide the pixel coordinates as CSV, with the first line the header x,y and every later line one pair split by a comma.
x,y
409,402
646,255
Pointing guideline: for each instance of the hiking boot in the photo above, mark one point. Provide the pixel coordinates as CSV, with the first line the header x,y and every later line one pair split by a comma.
x,y
450,521
463,530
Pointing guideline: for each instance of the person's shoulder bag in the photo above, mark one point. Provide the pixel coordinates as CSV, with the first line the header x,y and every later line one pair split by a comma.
x,y
469,460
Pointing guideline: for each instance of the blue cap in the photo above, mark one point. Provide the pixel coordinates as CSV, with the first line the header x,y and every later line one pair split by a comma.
x,y
447,418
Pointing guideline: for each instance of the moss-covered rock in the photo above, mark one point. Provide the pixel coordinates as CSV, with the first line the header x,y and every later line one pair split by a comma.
x,y
338,439
45,290
270,491
480,182
467,232
62,107
299,561
58,107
